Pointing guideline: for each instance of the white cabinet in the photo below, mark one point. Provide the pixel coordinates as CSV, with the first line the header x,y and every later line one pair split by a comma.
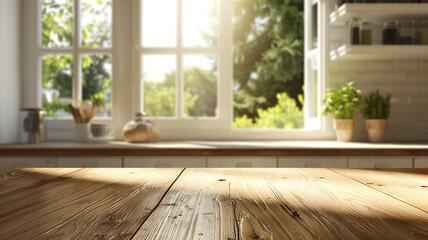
x,y
421,162
380,162
165,162
242,162
28,162
90,162
313,162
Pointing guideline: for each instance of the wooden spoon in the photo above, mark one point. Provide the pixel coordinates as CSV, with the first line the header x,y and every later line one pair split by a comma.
x,y
92,114
74,113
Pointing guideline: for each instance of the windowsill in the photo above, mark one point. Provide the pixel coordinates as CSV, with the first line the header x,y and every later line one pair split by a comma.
x,y
216,148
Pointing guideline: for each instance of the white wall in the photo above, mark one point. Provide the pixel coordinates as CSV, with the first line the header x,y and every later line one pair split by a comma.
x,y
407,81
10,93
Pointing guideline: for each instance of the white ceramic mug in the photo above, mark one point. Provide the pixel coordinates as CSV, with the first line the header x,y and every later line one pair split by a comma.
x,y
82,132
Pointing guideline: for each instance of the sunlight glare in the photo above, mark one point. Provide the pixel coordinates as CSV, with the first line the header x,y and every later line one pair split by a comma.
x,y
196,20
155,67
159,28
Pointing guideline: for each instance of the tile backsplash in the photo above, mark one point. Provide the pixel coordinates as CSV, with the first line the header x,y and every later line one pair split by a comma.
x,y
407,81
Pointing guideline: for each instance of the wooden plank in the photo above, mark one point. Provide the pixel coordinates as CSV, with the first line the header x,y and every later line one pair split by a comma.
x,y
259,213
88,204
204,204
324,203
196,207
13,179
407,185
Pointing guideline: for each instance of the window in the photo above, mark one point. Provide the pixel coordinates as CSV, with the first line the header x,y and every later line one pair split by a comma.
x,y
315,62
179,58
268,64
75,49
201,69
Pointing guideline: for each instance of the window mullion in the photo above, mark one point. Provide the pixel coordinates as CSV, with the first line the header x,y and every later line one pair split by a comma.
x,y
225,65
95,51
180,77
77,80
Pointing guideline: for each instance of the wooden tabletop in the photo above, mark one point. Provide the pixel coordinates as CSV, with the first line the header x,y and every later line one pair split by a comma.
x,y
219,204
216,148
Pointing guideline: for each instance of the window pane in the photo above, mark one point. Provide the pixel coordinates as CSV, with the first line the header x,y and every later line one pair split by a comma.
x,y
57,84
268,64
314,103
159,23
57,23
314,25
200,86
159,78
96,82
200,23
96,19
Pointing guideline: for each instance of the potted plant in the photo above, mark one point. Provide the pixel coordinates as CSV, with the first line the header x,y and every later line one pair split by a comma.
x,y
376,109
342,104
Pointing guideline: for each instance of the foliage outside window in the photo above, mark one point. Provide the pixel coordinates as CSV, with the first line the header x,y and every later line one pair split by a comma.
x,y
268,67
268,64
268,59
198,68
58,70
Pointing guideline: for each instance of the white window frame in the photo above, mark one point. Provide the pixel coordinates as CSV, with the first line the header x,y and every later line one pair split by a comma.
x,y
126,84
223,52
61,128
313,62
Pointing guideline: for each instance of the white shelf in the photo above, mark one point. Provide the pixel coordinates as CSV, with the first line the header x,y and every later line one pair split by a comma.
x,y
380,52
379,11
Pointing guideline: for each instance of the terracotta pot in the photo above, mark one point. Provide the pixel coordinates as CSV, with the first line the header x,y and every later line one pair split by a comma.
x,y
376,129
344,129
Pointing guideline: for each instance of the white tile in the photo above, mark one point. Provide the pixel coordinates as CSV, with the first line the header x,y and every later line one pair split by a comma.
x,y
340,77
419,77
405,89
424,66
407,65
369,77
423,88
381,66
395,77
406,135
382,87
419,100
354,66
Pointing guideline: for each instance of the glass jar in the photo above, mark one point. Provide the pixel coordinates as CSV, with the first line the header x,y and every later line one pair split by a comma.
x,y
366,33
424,32
407,33
140,130
390,33
355,31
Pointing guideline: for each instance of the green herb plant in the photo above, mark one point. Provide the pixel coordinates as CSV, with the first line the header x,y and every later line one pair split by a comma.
x,y
376,106
344,102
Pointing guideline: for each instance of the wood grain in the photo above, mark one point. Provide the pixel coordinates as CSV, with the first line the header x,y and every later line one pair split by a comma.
x,y
259,212
407,185
196,207
325,204
214,204
89,204
15,179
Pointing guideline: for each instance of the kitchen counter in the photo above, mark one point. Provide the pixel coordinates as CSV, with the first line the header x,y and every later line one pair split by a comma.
x,y
213,204
219,148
